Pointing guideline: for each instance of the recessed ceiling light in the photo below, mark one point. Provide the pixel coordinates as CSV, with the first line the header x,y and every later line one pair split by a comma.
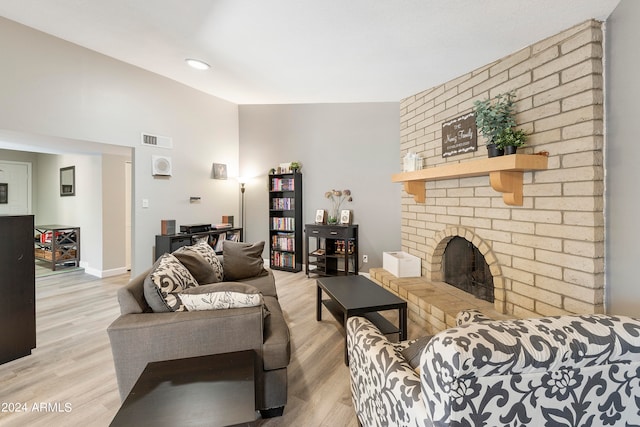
x,y
197,64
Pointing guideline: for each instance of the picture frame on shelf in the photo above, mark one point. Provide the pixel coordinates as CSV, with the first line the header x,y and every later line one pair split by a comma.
x,y
285,167
345,217
320,215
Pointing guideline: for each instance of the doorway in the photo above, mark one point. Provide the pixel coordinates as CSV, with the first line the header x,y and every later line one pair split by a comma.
x,y
15,188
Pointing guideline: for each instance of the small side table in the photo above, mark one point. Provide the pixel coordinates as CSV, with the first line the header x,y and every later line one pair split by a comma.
x,y
213,390
60,244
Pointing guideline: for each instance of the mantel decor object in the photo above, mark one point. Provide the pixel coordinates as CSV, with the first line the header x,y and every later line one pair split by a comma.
x,y
495,120
459,135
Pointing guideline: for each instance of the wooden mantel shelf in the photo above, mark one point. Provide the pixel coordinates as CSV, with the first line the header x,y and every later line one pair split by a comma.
x,y
505,175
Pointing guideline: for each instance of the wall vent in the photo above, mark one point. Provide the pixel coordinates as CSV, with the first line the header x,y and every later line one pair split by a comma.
x,y
157,141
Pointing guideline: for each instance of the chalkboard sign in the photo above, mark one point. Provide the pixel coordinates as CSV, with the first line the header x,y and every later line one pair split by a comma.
x,y
459,135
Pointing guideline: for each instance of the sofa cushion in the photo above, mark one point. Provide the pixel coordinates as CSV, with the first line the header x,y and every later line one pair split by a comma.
x,y
242,260
220,296
276,349
266,284
167,278
201,261
414,350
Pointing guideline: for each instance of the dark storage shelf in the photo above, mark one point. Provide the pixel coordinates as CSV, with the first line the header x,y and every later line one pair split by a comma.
x,y
285,221
18,302
170,242
328,255
57,244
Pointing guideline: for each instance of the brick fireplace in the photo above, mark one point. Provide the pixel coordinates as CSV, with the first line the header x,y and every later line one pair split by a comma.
x,y
546,256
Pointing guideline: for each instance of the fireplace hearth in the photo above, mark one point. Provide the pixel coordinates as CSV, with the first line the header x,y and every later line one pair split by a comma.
x,y
466,269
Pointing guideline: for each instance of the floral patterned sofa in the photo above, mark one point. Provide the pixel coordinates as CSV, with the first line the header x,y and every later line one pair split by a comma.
x,y
554,371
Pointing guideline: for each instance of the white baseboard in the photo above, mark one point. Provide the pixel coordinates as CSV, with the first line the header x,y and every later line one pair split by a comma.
x,y
103,273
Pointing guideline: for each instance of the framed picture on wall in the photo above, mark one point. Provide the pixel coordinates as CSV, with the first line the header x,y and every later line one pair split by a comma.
x,y
4,193
219,171
320,216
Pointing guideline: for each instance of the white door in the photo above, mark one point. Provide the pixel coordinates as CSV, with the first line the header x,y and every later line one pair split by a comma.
x,y
15,188
127,210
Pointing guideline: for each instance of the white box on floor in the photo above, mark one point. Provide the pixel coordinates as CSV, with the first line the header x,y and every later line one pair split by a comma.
x,y
402,264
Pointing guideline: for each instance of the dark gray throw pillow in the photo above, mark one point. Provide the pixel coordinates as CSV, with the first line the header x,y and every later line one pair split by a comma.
x,y
242,260
413,352
198,266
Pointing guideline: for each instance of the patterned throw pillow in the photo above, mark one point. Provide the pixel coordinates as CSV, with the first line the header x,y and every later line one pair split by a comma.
x,y
204,270
203,249
220,296
167,279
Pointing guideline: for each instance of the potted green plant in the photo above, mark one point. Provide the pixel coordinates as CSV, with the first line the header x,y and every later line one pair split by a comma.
x,y
295,166
510,139
493,117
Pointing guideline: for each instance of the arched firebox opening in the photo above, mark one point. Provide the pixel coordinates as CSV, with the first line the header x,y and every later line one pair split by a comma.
x,y
466,268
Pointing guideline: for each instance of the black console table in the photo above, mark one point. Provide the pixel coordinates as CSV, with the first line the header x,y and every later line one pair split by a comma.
x,y
215,238
334,251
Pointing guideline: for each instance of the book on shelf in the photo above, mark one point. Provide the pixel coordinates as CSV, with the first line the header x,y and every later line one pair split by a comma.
x,y
282,223
283,259
219,244
233,236
282,204
222,226
283,242
282,184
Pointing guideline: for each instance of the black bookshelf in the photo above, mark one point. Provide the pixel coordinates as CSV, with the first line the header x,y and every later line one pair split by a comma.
x,y
285,221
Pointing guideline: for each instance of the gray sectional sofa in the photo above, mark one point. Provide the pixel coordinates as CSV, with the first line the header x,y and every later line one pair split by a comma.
x,y
142,334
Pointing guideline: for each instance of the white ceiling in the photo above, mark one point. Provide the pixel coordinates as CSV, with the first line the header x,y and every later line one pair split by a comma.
x,y
306,51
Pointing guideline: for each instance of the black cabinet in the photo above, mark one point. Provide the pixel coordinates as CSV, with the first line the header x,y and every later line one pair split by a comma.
x,y
285,221
165,244
332,250
17,285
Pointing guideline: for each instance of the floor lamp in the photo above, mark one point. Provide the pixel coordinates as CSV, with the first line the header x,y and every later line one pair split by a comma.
x,y
242,216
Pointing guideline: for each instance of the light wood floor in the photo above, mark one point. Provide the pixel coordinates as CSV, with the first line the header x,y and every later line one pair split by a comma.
x,y
71,371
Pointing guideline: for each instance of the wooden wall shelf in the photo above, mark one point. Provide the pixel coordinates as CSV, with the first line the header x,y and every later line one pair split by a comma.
x,y
505,175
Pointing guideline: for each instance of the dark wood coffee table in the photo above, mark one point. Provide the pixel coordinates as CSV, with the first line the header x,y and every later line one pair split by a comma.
x,y
215,390
358,296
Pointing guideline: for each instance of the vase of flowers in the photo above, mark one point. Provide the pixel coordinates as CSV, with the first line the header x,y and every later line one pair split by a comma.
x,y
337,197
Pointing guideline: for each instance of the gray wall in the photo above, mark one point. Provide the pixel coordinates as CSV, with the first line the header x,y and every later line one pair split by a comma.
x,y
622,156
52,89
340,146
